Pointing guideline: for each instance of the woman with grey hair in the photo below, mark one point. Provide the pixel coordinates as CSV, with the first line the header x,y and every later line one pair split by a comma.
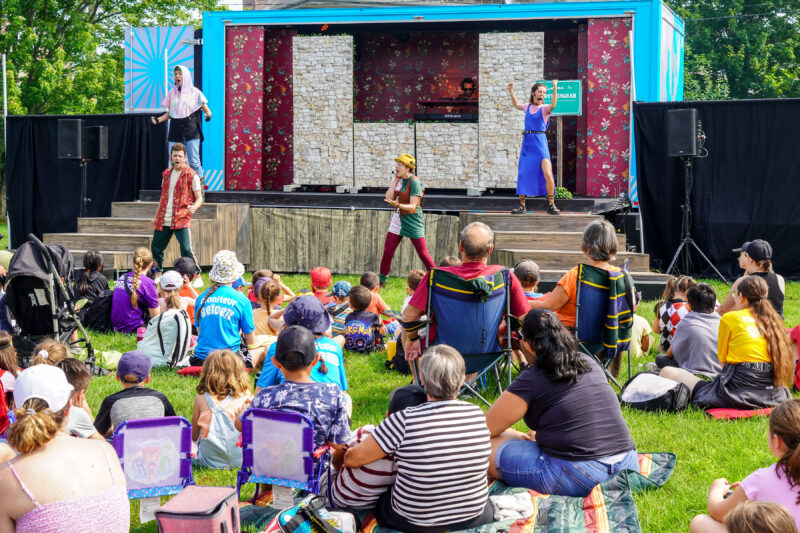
x,y
600,248
441,449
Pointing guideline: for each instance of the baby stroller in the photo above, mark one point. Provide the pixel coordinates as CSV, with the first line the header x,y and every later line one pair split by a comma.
x,y
39,296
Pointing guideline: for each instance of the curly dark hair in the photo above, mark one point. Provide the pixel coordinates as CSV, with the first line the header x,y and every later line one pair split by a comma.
x,y
556,351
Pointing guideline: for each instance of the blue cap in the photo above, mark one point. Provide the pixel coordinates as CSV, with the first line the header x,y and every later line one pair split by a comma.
x,y
341,289
307,311
240,283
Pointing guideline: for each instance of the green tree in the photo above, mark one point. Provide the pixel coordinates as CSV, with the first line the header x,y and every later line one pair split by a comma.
x,y
741,48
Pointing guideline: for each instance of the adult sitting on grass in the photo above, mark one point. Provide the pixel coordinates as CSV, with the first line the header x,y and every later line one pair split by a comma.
x,y
441,449
578,437
600,247
755,258
135,299
475,243
755,352
57,483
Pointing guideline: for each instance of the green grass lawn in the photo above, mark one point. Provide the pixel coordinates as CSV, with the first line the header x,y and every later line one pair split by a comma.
x,y
706,449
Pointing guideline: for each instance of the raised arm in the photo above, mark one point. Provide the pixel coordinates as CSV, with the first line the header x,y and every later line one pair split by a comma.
x,y
555,97
514,100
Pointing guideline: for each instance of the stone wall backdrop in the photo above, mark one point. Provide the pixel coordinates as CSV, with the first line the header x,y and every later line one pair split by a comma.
x,y
376,144
447,154
323,110
505,57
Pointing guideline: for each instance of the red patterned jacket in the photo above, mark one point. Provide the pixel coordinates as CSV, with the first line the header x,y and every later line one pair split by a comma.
x,y
182,198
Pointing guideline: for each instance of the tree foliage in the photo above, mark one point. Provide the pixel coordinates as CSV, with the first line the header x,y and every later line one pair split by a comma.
x,y
741,48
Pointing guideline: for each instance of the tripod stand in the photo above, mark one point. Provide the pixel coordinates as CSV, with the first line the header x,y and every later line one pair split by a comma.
x,y
687,243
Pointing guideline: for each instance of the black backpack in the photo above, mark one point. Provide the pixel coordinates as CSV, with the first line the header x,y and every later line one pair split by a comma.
x,y
398,362
98,315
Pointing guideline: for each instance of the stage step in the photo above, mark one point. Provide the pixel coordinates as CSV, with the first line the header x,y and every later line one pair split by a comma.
x,y
567,240
99,241
128,226
530,222
148,210
558,259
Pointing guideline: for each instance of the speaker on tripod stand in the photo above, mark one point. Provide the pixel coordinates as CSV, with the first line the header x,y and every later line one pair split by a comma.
x,y
82,143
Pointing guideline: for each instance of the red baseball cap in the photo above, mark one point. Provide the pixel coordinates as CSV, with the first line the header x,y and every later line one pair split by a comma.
x,y
321,277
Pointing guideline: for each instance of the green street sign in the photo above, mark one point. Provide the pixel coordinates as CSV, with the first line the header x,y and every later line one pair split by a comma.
x,y
569,97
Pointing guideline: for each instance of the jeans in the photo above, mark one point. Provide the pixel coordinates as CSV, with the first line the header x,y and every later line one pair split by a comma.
x,y
521,463
192,154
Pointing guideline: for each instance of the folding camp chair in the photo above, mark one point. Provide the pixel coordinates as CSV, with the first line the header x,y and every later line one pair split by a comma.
x,y
156,455
604,315
278,448
466,314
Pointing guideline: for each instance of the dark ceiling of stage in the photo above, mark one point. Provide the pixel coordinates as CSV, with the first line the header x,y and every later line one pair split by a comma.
x,y
429,27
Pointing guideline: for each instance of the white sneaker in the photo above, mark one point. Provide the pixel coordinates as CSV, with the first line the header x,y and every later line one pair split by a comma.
x,y
197,283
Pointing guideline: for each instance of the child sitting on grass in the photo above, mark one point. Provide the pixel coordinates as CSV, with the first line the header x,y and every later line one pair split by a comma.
x,y
527,272
760,517
80,422
187,268
671,309
266,319
168,336
49,352
262,276
363,330
320,281
779,482
135,400
223,389
340,307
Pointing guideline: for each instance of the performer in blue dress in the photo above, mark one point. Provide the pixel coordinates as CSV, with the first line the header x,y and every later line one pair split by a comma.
x,y
535,174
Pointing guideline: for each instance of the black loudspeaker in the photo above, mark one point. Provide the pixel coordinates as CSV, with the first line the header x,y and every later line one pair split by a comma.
x,y
628,223
70,144
95,142
682,139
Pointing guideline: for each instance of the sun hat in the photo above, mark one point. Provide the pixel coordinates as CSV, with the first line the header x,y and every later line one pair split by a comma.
x,y
307,311
321,277
341,289
299,340
408,160
225,267
46,382
171,280
758,250
136,363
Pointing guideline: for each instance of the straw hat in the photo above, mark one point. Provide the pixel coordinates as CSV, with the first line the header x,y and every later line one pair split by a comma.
x,y
225,267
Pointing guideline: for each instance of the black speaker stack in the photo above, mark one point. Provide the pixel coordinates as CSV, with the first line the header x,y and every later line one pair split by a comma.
x,y
76,141
683,135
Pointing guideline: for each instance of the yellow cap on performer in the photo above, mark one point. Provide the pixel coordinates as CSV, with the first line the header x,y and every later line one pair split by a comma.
x,y
408,160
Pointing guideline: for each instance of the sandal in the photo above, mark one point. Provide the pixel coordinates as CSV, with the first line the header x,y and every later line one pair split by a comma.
x,y
519,210
552,209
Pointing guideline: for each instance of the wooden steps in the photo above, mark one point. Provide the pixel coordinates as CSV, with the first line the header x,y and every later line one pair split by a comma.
x,y
567,240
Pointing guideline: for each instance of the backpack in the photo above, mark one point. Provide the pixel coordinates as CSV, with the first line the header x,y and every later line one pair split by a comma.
x,y
218,450
647,391
167,337
97,316
398,361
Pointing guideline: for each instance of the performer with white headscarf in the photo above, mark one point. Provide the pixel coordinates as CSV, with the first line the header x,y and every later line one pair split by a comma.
x,y
182,103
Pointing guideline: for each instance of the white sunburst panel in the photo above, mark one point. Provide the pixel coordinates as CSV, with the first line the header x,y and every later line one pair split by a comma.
x,y
150,56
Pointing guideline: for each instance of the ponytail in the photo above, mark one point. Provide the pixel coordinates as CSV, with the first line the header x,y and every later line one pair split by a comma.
x,y
36,425
172,299
142,259
785,423
92,262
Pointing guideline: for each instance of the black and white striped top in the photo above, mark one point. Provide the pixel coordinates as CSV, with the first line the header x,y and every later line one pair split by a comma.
x,y
442,454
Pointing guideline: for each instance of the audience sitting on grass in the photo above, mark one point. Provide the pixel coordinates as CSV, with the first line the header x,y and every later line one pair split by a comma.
x,y
168,336
80,422
578,437
640,336
527,273
187,268
135,299
91,282
671,309
49,352
599,245
363,330
223,315
58,483
755,258
371,281
694,345
171,287
223,389
450,261
412,282
306,311
779,482
268,320
263,276
340,307
760,517
135,400
9,366
320,282
296,355
441,473
755,352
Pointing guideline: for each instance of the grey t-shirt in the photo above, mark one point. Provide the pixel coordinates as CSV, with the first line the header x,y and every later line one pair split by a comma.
x,y
694,345
79,423
133,403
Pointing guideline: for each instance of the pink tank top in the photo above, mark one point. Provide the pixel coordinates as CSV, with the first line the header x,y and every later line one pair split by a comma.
x,y
107,512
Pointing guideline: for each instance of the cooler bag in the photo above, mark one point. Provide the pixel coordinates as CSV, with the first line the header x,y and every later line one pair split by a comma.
x,y
200,509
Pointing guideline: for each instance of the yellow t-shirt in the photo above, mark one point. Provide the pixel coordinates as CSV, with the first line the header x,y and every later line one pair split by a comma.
x,y
740,341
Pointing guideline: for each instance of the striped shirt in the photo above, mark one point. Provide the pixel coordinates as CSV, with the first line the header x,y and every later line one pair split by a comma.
x,y
442,454
360,488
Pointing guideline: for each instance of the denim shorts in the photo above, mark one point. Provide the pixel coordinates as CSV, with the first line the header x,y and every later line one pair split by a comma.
x,y
522,464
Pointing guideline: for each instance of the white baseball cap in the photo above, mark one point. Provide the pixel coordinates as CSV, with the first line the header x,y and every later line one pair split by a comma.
x,y
171,280
46,382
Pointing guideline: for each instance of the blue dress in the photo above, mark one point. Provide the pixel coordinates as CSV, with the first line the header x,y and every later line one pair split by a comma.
x,y
530,178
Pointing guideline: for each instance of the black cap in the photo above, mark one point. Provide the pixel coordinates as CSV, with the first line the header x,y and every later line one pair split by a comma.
x,y
408,396
758,250
295,348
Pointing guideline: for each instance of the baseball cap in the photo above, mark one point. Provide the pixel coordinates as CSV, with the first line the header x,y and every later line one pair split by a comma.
x,y
407,159
525,269
240,283
758,249
341,289
171,280
136,363
307,311
295,347
321,277
46,382
407,396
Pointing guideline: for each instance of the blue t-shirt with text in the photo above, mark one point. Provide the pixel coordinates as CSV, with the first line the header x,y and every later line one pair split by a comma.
x,y
328,350
220,318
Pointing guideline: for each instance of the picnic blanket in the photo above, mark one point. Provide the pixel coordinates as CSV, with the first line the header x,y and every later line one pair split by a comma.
x,y
609,507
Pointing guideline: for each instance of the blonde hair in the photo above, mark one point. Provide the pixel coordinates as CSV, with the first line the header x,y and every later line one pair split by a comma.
x,y
223,374
172,298
50,352
755,516
36,425
142,259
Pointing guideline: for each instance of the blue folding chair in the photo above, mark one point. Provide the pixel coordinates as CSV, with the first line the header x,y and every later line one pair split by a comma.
x,y
155,454
466,314
278,449
604,316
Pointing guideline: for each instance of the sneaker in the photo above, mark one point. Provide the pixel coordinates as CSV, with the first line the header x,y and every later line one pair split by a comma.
x,y
197,283
651,367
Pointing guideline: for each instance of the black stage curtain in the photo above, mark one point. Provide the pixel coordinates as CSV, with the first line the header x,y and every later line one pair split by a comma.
x,y
44,192
747,188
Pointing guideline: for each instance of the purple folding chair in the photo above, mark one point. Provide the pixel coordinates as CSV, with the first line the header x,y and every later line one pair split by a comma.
x,y
278,448
156,455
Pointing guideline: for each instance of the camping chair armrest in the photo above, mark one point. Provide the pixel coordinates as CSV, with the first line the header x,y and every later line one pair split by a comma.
x,y
412,325
319,452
